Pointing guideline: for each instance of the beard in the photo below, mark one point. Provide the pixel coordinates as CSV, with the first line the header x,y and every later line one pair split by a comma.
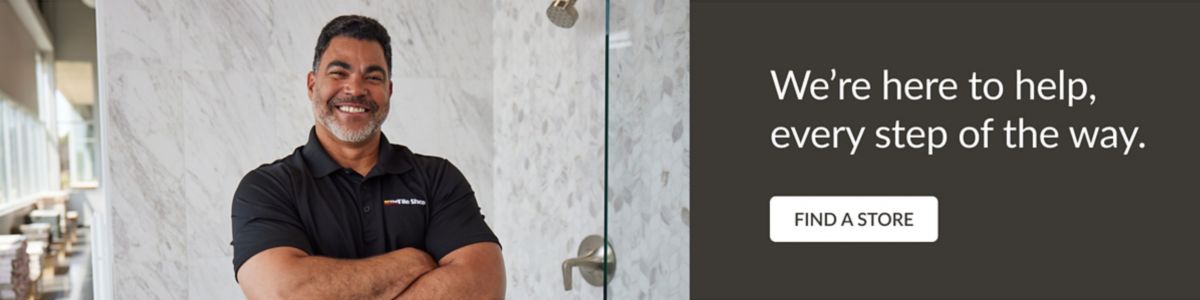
x,y
343,132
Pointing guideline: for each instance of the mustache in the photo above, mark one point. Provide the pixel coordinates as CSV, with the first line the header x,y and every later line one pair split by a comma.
x,y
359,100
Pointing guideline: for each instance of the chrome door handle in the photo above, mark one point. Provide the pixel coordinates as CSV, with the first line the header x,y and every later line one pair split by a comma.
x,y
591,262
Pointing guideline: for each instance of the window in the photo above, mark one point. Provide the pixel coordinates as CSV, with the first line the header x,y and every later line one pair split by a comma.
x,y
4,185
26,154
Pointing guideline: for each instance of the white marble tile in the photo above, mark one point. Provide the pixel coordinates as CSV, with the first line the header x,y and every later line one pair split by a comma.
x,y
650,168
442,39
212,278
227,35
448,118
150,280
229,132
146,171
549,168
139,34
291,113
297,24
648,223
430,39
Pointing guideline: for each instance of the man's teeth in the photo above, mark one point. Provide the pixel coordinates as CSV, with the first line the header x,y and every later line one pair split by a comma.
x,y
351,109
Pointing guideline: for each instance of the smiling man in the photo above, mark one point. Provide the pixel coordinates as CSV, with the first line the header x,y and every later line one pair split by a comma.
x,y
350,215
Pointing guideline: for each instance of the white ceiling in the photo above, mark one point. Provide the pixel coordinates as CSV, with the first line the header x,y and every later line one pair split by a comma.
x,y
75,80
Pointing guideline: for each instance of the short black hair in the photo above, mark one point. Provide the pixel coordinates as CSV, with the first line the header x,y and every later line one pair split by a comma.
x,y
357,27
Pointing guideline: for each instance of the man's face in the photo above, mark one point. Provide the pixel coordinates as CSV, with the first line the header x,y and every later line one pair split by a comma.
x,y
351,90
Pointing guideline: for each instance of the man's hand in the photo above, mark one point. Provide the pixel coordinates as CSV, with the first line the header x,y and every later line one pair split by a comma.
x,y
290,273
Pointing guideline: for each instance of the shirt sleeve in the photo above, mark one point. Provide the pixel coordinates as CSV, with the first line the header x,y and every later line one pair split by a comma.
x,y
456,219
264,217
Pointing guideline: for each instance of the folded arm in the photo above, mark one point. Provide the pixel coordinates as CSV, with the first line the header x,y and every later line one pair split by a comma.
x,y
475,271
290,273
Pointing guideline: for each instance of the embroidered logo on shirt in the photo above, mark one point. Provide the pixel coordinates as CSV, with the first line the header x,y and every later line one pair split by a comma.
x,y
403,201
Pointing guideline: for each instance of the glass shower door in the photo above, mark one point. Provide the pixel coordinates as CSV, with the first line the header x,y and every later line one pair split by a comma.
x,y
636,53
647,170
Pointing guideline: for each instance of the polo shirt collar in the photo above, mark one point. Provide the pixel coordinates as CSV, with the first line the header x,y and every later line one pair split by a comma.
x,y
392,159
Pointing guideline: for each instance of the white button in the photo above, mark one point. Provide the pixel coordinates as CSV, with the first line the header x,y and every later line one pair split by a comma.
x,y
854,219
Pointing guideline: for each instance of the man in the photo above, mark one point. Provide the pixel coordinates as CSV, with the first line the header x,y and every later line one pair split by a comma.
x,y
350,216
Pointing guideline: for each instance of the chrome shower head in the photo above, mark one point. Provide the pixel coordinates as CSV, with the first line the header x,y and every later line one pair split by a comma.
x,y
562,13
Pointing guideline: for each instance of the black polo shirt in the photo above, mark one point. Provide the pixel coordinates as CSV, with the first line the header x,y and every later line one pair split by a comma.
x,y
307,201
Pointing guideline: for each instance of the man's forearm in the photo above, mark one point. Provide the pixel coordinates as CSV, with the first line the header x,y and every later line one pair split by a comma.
x,y
473,272
379,277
